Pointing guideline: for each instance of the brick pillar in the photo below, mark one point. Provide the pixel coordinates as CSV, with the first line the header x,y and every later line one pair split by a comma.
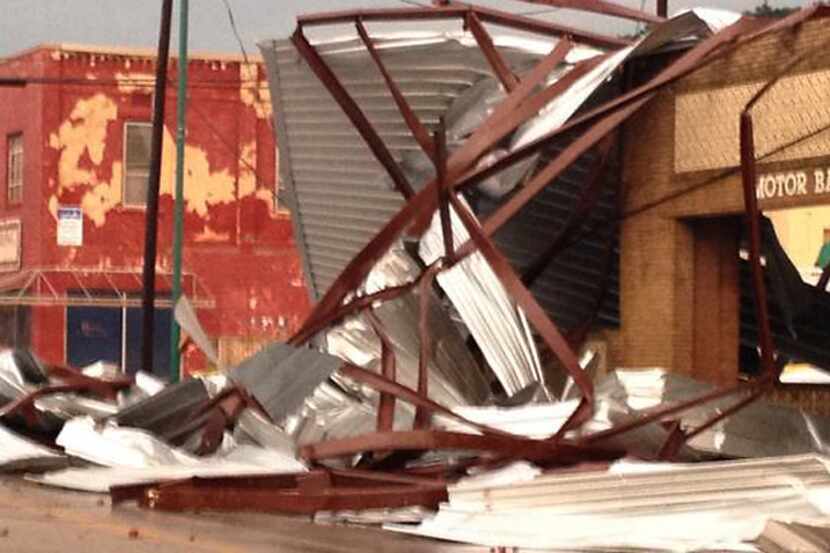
x,y
679,296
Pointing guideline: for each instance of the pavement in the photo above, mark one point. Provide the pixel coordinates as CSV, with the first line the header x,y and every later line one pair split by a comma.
x,y
38,519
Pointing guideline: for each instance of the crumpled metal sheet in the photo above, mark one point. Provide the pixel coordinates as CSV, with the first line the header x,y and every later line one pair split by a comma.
x,y
164,412
761,429
132,456
281,376
17,453
454,376
322,156
498,326
12,384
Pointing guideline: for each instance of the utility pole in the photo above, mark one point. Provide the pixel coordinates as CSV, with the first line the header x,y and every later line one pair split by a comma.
x,y
151,222
178,214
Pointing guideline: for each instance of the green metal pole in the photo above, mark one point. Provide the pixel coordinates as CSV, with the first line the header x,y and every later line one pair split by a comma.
x,y
178,216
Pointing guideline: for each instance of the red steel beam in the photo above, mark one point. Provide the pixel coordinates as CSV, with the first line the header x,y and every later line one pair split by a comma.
x,y
352,111
419,132
601,7
459,11
384,385
386,405
312,492
382,14
443,189
416,440
535,314
422,416
506,19
493,56
749,180
424,202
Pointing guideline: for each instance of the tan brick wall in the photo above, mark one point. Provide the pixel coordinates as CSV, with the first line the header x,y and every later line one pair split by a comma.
x,y
666,320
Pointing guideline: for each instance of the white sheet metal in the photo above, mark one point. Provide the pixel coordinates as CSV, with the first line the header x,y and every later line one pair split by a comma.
x,y
131,456
707,506
486,308
242,461
18,453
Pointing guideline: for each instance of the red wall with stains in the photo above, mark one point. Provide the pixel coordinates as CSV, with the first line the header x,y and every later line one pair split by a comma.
x,y
238,243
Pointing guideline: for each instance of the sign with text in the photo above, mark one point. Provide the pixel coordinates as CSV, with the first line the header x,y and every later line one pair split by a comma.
x,y
70,226
801,185
10,245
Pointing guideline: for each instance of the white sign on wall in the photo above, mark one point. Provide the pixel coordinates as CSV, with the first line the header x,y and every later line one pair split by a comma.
x,y
10,245
70,226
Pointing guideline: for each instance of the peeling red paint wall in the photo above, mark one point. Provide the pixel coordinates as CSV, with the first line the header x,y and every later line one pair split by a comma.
x,y
237,243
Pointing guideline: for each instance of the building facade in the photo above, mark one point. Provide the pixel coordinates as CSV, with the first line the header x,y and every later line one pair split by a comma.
x,y
76,142
683,298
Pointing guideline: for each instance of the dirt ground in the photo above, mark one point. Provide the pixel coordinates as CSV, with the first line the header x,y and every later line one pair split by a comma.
x,y
37,519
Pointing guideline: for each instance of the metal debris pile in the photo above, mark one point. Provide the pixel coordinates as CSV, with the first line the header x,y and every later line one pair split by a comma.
x,y
431,389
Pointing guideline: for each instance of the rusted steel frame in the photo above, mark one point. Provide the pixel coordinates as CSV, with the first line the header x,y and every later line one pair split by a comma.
x,y
695,58
543,178
534,312
307,494
749,180
25,405
225,412
676,440
432,440
386,404
555,168
509,116
313,325
443,188
506,19
491,54
327,77
459,11
601,7
213,417
662,412
422,416
587,201
419,132
105,388
422,205
357,269
382,14
381,384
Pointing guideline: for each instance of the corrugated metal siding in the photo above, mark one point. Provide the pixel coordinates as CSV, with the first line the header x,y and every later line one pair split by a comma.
x,y
341,194
570,286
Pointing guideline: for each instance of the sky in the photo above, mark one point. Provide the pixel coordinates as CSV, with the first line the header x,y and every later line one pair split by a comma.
x,y
26,23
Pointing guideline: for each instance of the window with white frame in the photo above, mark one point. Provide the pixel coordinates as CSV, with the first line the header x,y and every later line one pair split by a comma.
x,y
14,178
137,140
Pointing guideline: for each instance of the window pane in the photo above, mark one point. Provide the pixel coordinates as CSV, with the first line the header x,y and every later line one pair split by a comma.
x,y
139,137
14,184
135,189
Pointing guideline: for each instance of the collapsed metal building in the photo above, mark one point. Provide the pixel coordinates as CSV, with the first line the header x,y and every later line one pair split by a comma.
x,y
502,167
478,213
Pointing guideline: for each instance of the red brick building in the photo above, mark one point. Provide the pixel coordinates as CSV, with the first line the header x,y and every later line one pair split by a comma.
x,y
75,161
